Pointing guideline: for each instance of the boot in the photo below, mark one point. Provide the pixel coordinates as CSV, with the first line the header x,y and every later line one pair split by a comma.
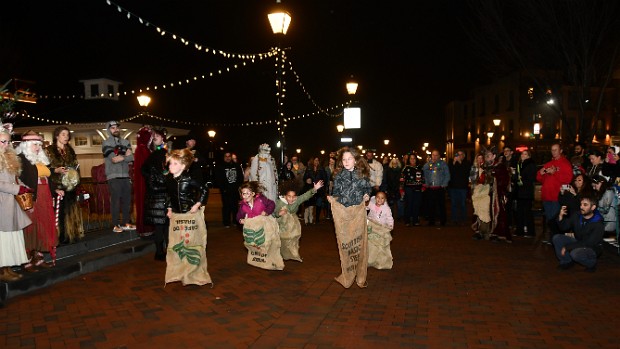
x,y
5,276
160,254
13,273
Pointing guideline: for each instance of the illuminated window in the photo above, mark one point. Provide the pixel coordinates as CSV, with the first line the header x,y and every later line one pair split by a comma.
x,y
96,140
80,141
530,92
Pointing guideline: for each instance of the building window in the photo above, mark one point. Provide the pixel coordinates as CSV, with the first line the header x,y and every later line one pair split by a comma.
x,y
96,140
80,141
94,90
530,93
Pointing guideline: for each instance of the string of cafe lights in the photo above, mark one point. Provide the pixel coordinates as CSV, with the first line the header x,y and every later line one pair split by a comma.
x,y
178,83
186,42
16,114
303,88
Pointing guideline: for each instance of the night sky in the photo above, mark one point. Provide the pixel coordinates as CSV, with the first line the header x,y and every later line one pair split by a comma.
x,y
409,58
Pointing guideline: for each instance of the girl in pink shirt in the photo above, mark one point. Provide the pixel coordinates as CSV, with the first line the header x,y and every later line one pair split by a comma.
x,y
253,202
379,211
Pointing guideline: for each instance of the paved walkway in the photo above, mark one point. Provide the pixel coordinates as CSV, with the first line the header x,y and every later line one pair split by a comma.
x,y
445,291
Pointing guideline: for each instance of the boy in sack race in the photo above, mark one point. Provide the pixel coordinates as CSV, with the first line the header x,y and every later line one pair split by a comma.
x,y
261,236
380,224
288,223
186,259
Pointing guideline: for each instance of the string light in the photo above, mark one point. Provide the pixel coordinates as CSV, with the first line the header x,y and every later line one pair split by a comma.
x,y
178,82
186,42
303,88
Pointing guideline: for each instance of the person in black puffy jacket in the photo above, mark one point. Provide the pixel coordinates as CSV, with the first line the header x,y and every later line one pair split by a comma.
x,y
154,171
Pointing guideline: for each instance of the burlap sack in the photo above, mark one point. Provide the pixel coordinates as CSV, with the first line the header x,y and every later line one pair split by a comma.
x,y
379,252
290,232
186,258
262,239
352,237
481,201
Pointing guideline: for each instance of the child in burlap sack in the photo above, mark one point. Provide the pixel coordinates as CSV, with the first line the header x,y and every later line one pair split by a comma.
x,y
351,191
286,214
261,235
186,259
380,224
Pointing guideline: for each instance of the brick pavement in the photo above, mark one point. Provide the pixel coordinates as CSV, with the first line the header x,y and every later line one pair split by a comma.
x,y
445,291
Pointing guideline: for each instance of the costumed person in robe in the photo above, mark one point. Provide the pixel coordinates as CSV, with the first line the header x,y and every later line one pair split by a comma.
x,y
351,191
286,214
65,177
260,230
186,258
380,224
40,236
154,171
489,199
264,171
140,155
14,219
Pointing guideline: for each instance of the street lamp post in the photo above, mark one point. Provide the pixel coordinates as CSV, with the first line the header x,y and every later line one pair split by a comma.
x,y
280,21
144,102
211,134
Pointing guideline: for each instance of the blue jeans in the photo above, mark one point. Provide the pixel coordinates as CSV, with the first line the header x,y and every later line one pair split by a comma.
x,y
552,208
457,201
582,255
413,201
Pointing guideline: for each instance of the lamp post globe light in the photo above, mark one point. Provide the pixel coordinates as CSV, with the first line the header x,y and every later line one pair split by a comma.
x,y
143,101
280,21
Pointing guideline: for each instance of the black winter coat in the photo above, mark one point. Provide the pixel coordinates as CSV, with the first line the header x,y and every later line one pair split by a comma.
x,y
184,192
153,171
527,171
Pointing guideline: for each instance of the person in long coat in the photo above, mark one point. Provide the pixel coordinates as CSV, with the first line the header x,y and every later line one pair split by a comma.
x,y
65,177
154,171
14,219
40,236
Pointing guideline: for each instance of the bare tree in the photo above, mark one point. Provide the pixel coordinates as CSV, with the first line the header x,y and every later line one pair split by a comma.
x,y
577,38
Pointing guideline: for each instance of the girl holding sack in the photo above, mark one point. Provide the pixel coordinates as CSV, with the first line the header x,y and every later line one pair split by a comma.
x,y
351,191
186,257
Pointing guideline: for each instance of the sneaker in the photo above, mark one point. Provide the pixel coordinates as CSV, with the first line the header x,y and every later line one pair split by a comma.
x,y
129,227
117,229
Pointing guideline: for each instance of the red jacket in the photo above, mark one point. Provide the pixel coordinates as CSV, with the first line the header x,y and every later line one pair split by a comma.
x,y
551,183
